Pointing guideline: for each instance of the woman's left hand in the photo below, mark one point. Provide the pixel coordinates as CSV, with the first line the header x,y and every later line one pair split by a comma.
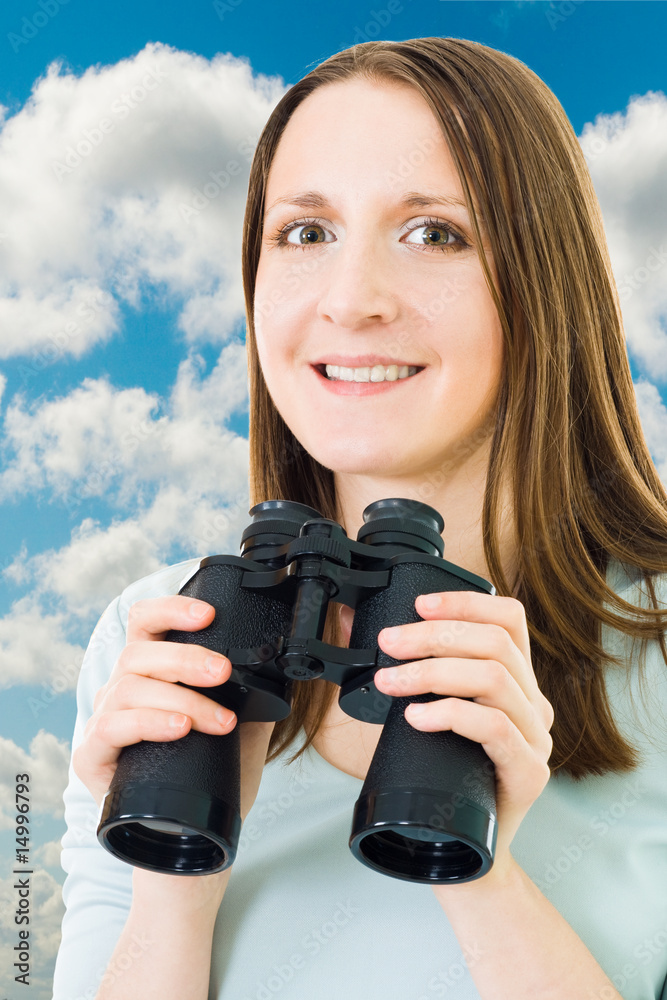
x,y
477,646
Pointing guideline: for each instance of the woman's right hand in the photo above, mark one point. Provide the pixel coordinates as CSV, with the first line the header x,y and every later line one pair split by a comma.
x,y
140,701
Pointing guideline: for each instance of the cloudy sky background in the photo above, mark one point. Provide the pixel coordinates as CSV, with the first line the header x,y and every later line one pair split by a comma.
x,y
124,156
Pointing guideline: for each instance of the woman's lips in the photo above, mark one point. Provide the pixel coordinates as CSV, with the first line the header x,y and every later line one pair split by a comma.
x,y
342,388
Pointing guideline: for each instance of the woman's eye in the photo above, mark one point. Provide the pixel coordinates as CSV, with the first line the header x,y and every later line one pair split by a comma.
x,y
306,234
434,236
299,235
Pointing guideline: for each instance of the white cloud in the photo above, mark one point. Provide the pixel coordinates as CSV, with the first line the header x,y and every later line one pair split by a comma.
x,y
86,438
34,647
627,158
653,414
102,441
131,176
46,762
48,854
172,473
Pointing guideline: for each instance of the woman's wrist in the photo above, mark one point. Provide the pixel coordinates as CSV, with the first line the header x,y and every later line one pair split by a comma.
x,y
180,895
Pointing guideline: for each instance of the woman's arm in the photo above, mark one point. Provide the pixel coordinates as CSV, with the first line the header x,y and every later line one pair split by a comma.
x,y
522,946
164,951
474,649
161,925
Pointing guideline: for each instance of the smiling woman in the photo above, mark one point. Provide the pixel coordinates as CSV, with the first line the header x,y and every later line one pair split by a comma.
x,y
374,271
442,325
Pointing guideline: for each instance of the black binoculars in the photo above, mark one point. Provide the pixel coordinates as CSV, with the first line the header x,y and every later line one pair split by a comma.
x,y
427,810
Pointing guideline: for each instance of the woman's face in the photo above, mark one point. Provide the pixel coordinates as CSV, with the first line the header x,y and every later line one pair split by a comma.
x,y
354,275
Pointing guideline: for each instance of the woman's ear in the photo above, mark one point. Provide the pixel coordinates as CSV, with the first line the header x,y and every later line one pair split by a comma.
x,y
346,616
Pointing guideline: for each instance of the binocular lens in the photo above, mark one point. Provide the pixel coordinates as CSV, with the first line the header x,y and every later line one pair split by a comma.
x,y
166,847
420,857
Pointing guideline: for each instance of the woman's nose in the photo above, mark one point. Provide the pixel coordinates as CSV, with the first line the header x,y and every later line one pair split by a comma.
x,y
357,286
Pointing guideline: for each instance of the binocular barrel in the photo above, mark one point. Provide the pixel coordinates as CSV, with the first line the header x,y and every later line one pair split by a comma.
x,y
426,812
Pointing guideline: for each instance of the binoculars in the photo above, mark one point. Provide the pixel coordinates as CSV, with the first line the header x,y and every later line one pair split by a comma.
x,y
427,810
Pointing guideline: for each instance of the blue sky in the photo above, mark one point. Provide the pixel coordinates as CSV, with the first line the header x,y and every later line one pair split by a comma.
x,y
100,482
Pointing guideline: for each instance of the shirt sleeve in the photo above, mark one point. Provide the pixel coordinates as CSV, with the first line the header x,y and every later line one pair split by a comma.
x,y
98,888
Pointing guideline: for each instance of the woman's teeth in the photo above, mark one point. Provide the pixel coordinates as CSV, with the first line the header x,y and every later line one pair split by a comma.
x,y
378,373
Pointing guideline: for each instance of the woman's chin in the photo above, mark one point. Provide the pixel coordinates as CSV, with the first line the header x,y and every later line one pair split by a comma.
x,y
359,462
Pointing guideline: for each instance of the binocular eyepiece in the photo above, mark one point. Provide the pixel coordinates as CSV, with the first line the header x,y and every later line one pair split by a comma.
x,y
426,812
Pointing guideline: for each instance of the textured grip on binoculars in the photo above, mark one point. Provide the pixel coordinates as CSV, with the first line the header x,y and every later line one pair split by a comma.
x,y
197,761
427,808
175,806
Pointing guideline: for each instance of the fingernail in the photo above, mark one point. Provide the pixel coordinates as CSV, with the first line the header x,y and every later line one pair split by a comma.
x,y
214,664
224,718
415,708
387,675
392,634
177,721
198,609
430,601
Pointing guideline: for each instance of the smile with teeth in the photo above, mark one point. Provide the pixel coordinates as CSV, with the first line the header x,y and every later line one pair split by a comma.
x,y
376,373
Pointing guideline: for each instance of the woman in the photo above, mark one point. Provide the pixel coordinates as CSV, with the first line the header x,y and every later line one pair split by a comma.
x,y
430,314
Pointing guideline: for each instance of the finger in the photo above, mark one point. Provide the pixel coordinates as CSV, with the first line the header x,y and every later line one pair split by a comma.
x,y
446,638
471,606
516,761
133,691
486,681
152,617
173,661
106,734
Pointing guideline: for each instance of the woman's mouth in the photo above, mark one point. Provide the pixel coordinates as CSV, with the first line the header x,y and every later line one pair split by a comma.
x,y
364,380
370,373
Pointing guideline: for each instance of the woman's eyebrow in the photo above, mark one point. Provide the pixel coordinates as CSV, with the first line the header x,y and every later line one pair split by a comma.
x,y
412,199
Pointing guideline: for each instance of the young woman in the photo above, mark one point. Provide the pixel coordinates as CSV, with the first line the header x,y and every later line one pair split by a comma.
x,y
431,314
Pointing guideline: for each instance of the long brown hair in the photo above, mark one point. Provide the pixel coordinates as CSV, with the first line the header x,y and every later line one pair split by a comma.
x,y
584,487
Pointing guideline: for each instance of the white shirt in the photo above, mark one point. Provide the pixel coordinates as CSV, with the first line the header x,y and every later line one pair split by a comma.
x,y
302,918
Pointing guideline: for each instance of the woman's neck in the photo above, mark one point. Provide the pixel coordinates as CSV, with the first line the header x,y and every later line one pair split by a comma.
x,y
459,499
